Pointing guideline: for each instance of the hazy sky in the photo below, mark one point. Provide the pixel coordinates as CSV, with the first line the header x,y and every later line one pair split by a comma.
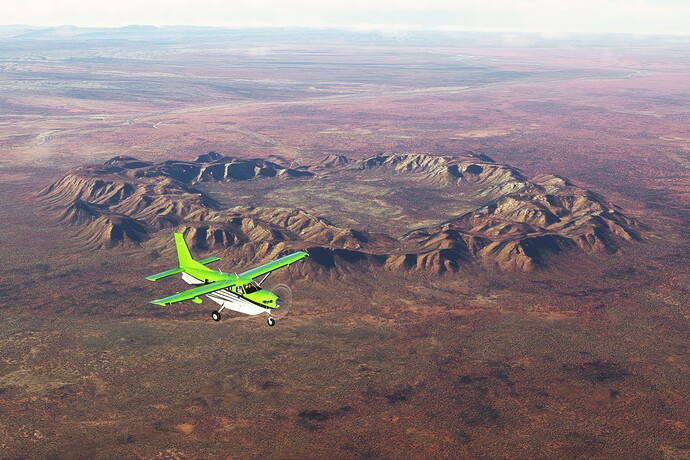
x,y
550,16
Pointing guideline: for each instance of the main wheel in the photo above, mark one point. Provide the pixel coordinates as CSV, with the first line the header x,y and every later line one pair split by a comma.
x,y
215,315
271,321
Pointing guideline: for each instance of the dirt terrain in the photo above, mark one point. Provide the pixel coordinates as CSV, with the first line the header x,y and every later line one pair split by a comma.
x,y
498,227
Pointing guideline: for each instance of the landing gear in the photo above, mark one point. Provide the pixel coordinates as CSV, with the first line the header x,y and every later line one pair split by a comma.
x,y
215,315
271,321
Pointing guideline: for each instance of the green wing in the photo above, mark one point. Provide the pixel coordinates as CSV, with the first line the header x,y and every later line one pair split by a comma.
x,y
275,265
196,292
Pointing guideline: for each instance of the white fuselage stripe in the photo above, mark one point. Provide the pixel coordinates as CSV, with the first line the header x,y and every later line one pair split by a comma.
x,y
228,299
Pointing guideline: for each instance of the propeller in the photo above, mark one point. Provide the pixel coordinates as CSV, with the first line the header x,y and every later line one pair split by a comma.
x,y
284,294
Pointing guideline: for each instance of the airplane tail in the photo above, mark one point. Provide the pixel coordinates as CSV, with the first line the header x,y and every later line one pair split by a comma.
x,y
183,254
185,260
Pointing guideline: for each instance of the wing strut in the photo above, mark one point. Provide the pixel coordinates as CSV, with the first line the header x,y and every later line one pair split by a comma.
x,y
264,278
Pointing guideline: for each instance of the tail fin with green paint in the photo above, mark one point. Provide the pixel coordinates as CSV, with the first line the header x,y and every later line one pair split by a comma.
x,y
185,260
183,254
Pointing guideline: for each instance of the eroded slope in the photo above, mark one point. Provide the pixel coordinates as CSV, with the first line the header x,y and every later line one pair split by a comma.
x,y
494,215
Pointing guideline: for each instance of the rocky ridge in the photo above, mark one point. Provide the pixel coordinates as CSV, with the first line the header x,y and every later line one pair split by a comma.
x,y
126,201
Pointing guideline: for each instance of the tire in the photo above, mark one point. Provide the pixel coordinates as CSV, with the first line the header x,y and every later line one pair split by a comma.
x,y
271,321
216,316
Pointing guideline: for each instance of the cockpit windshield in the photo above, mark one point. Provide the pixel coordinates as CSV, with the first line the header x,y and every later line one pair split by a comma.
x,y
251,287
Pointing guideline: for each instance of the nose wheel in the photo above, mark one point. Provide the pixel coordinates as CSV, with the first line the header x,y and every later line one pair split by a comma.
x,y
216,316
271,321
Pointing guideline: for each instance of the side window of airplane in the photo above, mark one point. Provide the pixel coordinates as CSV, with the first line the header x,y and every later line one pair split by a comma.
x,y
240,291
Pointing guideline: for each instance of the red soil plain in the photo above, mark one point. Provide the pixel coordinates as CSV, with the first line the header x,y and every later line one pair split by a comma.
x,y
585,357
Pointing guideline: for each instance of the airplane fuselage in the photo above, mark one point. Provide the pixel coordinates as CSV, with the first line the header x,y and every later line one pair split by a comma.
x,y
237,298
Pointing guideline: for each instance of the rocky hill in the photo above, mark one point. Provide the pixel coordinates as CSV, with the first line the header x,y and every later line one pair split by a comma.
x,y
519,230
521,224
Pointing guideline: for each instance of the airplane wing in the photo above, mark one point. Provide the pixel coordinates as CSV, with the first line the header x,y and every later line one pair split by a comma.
x,y
196,292
275,265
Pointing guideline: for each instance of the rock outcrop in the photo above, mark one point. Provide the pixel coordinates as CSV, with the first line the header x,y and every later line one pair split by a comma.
x,y
520,225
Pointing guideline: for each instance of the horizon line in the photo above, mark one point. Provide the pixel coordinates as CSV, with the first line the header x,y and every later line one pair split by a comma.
x,y
365,27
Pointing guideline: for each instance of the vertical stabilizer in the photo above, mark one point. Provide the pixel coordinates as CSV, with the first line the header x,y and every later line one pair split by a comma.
x,y
183,253
186,261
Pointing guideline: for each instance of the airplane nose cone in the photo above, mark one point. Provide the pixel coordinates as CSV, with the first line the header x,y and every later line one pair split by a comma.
x,y
279,302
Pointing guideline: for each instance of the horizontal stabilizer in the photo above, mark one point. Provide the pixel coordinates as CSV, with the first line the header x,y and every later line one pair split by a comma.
x,y
209,260
164,274
175,271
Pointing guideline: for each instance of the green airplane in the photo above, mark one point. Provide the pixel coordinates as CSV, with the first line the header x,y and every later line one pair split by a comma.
x,y
232,291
